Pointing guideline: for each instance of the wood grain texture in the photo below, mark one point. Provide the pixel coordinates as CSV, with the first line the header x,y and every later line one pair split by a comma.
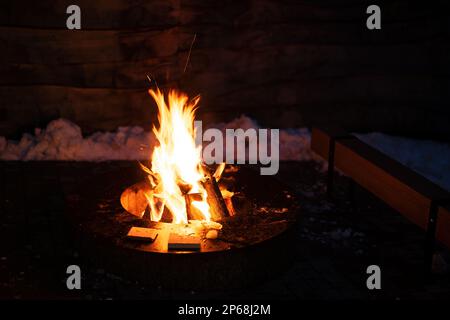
x,y
211,66
62,46
286,63
99,14
111,14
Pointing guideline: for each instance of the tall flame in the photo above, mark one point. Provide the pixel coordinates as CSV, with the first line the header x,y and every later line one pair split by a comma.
x,y
176,162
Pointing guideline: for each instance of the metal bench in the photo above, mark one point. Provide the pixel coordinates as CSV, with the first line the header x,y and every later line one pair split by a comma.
x,y
418,199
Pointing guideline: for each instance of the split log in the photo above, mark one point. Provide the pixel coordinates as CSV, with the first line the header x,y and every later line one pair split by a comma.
x,y
133,199
192,212
215,200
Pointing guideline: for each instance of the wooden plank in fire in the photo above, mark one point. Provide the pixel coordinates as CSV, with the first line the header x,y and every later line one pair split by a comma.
x,y
142,234
215,199
179,242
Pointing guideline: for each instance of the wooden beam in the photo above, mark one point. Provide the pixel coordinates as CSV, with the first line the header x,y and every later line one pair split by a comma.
x,y
403,189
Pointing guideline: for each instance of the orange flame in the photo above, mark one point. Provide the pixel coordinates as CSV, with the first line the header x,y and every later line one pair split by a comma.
x,y
176,163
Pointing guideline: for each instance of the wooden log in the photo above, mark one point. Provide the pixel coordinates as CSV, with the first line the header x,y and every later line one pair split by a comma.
x,y
99,14
271,12
215,200
93,75
133,199
399,59
188,206
106,109
104,14
323,33
58,46
142,234
192,212
179,242
93,109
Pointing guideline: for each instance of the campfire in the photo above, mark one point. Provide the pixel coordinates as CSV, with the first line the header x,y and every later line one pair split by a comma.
x,y
180,188
178,212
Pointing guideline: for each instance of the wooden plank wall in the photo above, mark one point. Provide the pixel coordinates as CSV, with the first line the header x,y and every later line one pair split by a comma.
x,y
286,63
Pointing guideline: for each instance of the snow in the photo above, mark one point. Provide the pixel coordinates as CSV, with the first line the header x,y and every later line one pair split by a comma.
x,y
63,140
428,158
294,143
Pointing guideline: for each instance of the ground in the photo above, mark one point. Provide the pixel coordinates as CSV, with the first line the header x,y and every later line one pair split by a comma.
x,y
337,240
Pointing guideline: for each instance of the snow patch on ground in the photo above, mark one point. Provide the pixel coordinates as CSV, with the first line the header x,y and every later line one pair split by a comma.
x,y
428,158
294,143
63,140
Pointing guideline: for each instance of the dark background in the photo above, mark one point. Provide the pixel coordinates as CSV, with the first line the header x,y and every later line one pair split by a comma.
x,y
285,63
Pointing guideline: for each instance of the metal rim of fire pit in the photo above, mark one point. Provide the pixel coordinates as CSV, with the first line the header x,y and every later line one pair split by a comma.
x,y
96,218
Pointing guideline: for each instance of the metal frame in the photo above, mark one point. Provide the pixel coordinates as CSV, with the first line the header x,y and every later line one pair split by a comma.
x,y
430,235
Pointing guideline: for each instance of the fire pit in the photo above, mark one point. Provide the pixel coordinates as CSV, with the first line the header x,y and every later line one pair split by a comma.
x,y
252,245
181,223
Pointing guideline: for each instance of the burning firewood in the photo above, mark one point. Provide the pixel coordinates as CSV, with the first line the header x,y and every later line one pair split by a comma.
x,y
192,212
215,199
133,199
227,197
181,186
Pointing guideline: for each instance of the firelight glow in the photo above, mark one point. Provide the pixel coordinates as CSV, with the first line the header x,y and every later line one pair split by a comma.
x,y
176,162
